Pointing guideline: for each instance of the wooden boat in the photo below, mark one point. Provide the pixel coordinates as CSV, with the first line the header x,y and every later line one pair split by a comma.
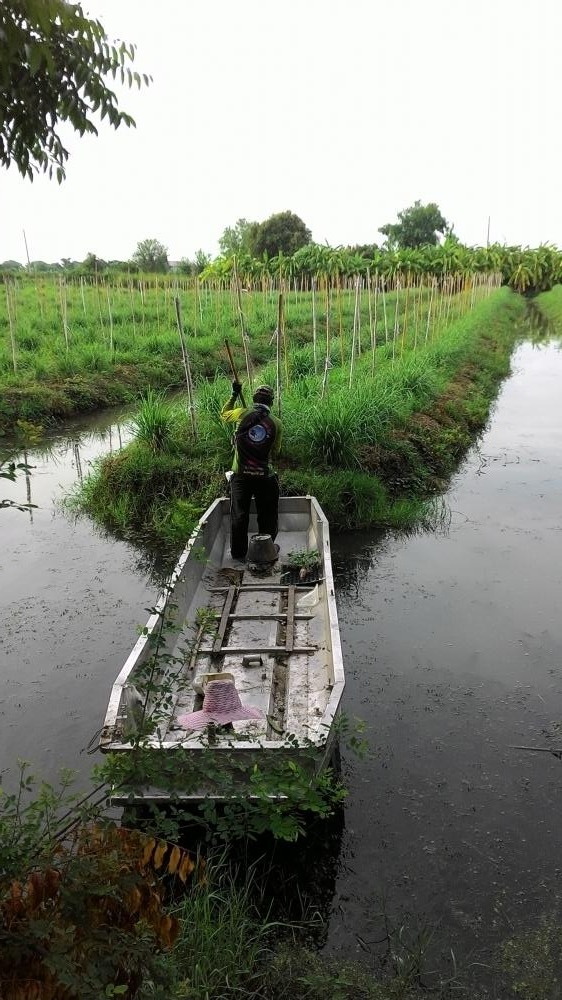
x,y
272,630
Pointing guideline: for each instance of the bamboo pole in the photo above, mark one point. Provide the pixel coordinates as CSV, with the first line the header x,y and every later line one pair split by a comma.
x,y
11,326
132,310
39,289
396,329
64,311
98,296
186,368
374,322
383,294
278,350
156,289
327,359
238,299
111,344
433,282
417,307
314,325
358,290
141,290
354,334
340,318
437,321
283,335
405,320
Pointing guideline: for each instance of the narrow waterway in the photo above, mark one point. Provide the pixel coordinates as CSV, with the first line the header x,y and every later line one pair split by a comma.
x,y
453,653
71,599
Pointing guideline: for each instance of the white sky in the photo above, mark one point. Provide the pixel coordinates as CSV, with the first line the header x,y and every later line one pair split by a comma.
x,y
343,111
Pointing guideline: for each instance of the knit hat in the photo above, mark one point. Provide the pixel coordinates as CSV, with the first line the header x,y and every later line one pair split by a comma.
x,y
264,394
221,705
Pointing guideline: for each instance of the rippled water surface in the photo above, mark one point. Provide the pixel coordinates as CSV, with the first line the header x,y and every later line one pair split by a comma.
x,y
453,652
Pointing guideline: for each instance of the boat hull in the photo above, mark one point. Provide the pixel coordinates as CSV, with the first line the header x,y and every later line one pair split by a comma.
x,y
273,630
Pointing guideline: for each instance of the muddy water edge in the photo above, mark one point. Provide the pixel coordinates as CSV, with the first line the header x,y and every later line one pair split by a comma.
x,y
453,652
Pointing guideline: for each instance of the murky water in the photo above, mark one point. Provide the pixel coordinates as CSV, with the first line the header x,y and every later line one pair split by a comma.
x,y
453,653
71,600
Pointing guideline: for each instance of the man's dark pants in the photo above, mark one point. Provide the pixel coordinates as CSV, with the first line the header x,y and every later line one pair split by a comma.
x,y
265,491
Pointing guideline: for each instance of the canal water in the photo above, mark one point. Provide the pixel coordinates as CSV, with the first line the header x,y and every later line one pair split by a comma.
x,y
71,600
452,642
453,652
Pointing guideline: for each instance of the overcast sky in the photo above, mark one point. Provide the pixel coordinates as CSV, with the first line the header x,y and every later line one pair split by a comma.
x,y
343,111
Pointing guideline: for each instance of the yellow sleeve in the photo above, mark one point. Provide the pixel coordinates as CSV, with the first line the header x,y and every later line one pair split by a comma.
x,y
230,414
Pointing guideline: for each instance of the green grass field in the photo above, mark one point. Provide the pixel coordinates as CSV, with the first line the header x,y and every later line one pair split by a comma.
x,y
72,346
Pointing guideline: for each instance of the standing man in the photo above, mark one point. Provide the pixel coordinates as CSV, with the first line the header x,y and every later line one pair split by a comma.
x,y
257,438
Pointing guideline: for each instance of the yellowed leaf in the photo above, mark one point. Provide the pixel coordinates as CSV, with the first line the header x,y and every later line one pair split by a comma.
x,y
174,860
186,867
159,853
148,851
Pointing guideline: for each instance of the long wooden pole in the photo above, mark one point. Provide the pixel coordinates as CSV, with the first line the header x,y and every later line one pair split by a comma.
x,y
234,370
11,326
242,323
186,368
314,330
280,337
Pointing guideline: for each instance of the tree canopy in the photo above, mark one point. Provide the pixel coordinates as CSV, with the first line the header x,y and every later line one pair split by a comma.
x,y
151,256
282,233
54,63
238,238
417,226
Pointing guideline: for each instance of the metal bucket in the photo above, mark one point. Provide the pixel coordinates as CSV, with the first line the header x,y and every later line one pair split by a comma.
x,y
262,550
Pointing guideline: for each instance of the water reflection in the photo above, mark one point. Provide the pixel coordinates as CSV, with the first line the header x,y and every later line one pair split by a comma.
x,y
57,461
538,325
453,650
356,554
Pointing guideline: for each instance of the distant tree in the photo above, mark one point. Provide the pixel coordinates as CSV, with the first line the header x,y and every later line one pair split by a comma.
x,y
366,250
201,260
239,238
418,226
42,266
70,265
282,233
93,263
151,256
54,62
184,266
11,265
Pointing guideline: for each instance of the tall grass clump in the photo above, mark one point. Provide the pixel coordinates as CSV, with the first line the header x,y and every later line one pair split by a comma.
x,y
223,942
156,422
349,498
335,430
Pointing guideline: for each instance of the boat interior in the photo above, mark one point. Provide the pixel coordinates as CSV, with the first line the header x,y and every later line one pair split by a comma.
x,y
266,627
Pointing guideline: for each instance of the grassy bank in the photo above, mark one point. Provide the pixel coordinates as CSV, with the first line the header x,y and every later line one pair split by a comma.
x,y
550,305
372,448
